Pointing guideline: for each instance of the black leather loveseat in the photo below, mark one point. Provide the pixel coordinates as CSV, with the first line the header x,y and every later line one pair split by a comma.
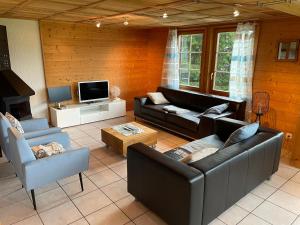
x,y
195,194
192,124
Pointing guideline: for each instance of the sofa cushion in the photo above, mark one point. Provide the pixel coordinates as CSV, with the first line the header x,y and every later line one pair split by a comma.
x,y
186,120
241,134
155,111
157,98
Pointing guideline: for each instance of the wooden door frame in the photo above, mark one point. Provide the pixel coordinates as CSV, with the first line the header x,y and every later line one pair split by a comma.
x,y
202,80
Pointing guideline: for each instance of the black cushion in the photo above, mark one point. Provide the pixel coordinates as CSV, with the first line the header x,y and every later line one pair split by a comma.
x,y
186,120
154,110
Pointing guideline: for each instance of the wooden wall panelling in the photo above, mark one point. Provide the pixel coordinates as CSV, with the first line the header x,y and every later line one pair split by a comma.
x,y
280,79
129,58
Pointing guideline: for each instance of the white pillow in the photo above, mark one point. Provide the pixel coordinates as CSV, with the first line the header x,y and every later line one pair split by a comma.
x,y
157,98
14,122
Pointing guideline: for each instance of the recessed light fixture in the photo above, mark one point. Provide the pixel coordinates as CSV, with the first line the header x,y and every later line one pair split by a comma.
x,y
165,15
236,13
126,22
98,24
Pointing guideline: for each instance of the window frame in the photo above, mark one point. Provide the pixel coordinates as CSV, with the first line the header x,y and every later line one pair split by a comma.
x,y
202,76
211,75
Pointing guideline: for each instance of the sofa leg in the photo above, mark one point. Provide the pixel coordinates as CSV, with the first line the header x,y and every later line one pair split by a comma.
x,y
1,153
33,199
81,183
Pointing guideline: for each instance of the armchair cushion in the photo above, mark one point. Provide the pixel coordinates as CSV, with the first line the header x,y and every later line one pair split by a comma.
x,y
62,138
14,122
38,133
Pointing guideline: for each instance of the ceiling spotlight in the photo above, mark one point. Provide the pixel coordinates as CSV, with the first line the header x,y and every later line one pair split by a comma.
x,y
98,24
236,13
125,22
165,15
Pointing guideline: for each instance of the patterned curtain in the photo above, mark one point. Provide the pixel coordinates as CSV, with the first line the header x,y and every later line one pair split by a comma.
x,y
241,72
170,73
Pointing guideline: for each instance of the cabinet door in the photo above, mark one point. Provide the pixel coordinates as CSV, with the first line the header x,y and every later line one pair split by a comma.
x,y
68,117
117,108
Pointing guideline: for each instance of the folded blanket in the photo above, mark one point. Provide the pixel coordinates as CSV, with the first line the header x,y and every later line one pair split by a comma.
x,y
175,109
42,151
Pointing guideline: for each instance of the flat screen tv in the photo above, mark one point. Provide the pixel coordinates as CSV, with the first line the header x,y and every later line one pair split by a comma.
x,y
90,91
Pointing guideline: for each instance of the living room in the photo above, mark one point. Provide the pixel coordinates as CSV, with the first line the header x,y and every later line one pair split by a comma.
x,y
149,112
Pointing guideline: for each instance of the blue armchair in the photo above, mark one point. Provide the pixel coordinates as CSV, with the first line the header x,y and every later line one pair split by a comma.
x,y
35,173
32,128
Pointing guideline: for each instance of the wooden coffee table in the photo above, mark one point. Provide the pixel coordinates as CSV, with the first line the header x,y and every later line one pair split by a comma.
x,y
120,142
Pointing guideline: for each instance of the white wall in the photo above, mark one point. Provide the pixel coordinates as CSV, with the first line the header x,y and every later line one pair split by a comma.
x,y
26,59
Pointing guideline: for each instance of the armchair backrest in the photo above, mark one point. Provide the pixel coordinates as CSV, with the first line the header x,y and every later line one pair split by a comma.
x,y
4,125
20,151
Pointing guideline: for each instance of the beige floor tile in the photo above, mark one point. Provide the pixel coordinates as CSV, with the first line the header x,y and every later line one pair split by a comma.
x,y
80,222
110,215
276,181
131,207
73,190
297,221
116,190
51,199
86,141
253,220
91,202
263,190
286,172
113,161
286,201
14,197
216,222
296,178
149,218
70,179
34,220
274,214
16,212
9,185
61,215
102,153
121,170
292,188
44,189
233,215
95,166
250,202
104,178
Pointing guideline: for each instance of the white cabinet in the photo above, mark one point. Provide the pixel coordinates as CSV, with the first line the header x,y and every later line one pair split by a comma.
x,y
78,114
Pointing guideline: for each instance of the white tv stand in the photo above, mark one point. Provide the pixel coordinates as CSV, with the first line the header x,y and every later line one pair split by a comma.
x,y
77,114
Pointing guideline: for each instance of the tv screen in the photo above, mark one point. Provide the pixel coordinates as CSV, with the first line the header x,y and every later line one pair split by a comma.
x,y
59,94
93,90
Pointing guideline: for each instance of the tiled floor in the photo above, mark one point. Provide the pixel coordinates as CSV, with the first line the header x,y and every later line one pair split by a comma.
x,y
105,200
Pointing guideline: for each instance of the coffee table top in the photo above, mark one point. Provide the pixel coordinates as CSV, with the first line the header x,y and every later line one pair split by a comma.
x,y
147,131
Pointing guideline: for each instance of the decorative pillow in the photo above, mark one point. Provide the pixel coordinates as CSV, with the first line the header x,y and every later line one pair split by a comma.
x,y
241,134
218,109
42,151
14,122
157,98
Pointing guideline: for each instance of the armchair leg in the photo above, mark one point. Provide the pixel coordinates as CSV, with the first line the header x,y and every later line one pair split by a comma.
x,y
81,183
1,153
33,199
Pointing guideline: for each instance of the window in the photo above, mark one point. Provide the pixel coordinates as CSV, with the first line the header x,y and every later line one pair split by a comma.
x,y
221,73
190,59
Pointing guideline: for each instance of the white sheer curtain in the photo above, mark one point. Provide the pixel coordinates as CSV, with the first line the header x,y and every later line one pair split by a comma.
x,y
170,73
241,72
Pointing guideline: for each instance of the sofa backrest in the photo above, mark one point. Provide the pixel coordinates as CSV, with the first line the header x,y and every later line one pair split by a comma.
x,y
200,101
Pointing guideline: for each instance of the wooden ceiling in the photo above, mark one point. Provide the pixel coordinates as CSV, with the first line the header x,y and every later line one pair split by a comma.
x,y
148,13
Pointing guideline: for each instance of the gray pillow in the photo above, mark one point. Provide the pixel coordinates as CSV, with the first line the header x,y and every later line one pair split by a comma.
x,y
218,109
241,134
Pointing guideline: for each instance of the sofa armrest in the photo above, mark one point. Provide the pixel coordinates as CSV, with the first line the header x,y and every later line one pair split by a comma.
x,y
62,138
156,180
138,104
216,116
34,124
38,133
141,99
50,169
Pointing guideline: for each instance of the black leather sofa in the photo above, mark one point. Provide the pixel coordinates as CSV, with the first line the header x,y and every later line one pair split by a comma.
x,y
195,194
192,124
